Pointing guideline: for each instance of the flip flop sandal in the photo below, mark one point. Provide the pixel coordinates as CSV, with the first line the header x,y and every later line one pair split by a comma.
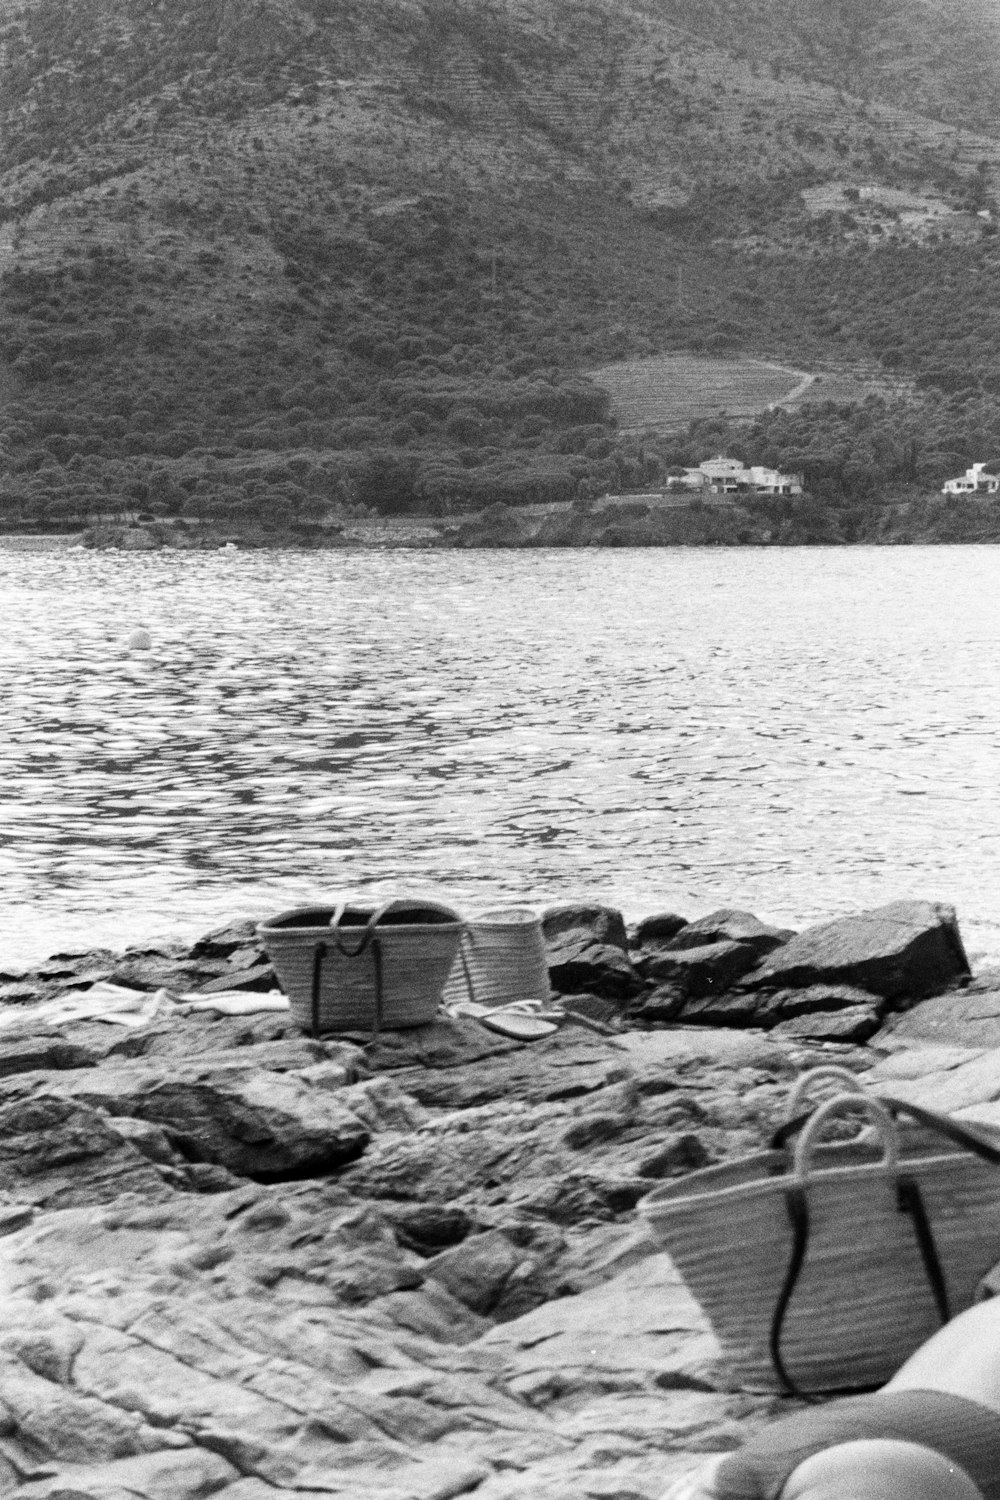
x,y
522,1025
473,1009
470,1010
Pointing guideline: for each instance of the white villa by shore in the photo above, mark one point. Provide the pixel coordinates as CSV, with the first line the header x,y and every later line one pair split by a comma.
x,y
729,476
974,481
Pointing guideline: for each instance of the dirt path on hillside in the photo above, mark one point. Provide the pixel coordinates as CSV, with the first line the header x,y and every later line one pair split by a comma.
x,y
804,383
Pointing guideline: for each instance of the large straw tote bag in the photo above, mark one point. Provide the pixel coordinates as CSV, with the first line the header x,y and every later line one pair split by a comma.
x,y
826,1270
351,968
501,959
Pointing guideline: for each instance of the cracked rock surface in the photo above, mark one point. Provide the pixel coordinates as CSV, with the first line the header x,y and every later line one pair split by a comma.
x,y
236,1261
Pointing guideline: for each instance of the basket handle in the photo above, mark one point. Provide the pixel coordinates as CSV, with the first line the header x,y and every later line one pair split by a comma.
x,y
399,903
833,1072
795,1116
908,1201
367,932
842,1104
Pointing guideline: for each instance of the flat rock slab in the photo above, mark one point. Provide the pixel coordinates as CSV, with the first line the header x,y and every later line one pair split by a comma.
x,y
943,1079
852,1023
908,949
668,1334
691,1047
969,1017
625,1375
459,1065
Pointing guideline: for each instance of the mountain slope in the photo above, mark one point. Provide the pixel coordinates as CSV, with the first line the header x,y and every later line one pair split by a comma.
x,y
933,57
262,254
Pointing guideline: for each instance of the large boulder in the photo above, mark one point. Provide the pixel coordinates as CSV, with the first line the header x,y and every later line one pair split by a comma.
x,y
906,950
587,950
659,928
707,969
729,926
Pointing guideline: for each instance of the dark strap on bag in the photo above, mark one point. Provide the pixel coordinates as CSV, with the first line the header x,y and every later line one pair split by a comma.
x,y
470,984
944,1125
369,939
319,953
798,1214
910,1202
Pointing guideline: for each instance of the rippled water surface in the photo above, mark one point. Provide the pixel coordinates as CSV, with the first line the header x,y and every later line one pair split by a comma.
x,y
798,732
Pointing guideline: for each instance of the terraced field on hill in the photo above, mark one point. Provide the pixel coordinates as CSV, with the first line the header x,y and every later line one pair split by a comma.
x,y
671,390
666,392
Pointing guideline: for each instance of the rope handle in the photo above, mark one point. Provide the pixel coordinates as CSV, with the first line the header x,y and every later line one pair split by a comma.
x,y
399,903
795,1117
826,1072
962,1135
367,932
881,1117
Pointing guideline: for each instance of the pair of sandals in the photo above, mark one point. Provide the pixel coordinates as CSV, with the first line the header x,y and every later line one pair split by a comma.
x,y
524,1020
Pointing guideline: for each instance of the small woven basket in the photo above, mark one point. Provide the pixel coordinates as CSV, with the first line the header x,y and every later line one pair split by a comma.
x,y
349,968
501,959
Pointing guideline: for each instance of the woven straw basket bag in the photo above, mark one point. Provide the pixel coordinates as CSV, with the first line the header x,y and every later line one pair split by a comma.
x,y
825,1269
501,959
350,968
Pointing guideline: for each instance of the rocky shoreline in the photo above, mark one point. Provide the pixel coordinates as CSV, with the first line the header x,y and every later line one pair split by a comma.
x,y
240,1261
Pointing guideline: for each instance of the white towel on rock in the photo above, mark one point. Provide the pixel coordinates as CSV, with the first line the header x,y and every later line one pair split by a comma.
x,y
102,1002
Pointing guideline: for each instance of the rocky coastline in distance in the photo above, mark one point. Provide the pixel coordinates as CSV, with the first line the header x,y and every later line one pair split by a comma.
x,y
623,524
239,1261
620,521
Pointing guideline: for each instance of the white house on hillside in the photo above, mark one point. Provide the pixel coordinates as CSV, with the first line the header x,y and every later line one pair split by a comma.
x,y
974,481
729,476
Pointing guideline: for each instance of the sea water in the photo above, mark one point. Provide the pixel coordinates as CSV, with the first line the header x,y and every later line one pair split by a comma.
x,y
799,732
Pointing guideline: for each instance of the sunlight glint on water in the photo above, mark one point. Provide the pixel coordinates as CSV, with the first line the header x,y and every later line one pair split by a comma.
x,y
799,732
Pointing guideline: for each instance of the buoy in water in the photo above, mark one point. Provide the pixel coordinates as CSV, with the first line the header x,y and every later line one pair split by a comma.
x,y
140,640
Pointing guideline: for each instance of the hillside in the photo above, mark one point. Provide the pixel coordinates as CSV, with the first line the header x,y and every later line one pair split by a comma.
x,y
264,256
936,58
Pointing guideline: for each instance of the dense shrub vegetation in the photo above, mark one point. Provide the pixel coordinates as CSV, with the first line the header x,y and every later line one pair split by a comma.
x,y
268,262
